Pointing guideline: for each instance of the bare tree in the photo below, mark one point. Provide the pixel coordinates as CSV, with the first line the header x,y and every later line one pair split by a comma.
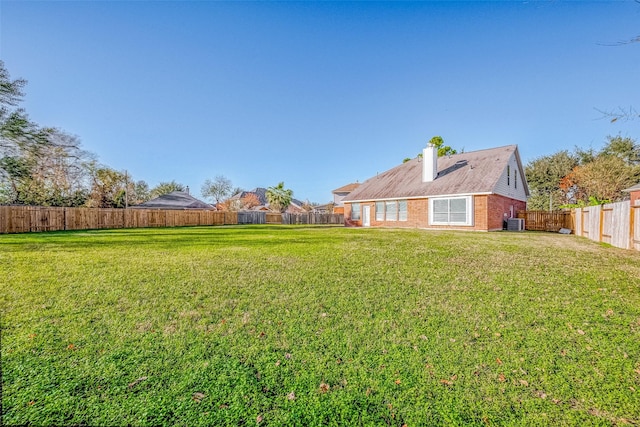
x,y
217,190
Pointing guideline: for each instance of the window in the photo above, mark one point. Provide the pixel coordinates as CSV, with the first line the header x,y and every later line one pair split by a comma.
x,y
515,178
402,210
451,211
508,175
392,210
355,211
379,211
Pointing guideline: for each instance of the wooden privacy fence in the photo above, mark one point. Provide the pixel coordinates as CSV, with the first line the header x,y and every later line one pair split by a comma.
x,y
546,221
25,219
617,224
312,218
260,217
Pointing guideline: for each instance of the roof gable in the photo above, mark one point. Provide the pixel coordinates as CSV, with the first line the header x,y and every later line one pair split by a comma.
x,y
347,188
473,172
175,200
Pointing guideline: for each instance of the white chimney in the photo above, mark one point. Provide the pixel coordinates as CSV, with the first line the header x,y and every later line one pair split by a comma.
x,y
429,163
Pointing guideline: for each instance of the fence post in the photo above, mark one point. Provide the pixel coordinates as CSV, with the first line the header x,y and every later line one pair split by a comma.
x,y
632,227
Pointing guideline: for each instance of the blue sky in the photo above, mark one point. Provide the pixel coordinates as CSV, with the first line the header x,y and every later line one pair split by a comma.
x,y
319,94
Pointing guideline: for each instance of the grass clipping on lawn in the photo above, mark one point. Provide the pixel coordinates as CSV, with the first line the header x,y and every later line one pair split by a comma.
x,y
280,325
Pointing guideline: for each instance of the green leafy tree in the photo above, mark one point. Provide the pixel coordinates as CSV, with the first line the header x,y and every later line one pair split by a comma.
x,y
544,175
604,179
626,149
217,190
107,187
585,176
141,192
606,173
443,150
165,188
279,198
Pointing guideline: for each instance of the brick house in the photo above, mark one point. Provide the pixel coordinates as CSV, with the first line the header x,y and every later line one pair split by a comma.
x,y
634,194
341,193
477,190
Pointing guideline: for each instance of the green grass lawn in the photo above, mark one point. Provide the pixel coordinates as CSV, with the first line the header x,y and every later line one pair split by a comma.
x,y
280,325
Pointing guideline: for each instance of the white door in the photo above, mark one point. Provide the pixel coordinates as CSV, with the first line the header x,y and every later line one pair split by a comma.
x,y
366,216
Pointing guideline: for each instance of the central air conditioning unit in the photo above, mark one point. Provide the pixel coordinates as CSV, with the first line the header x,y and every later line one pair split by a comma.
x,y
515,224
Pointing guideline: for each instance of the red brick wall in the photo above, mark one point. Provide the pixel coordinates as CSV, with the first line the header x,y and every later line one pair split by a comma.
x,y
635,198
489,211
347,216
500,208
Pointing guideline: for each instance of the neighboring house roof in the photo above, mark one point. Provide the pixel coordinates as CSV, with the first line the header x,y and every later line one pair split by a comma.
x,y
324,207
347,188
174,200
634,188
261,194
474,172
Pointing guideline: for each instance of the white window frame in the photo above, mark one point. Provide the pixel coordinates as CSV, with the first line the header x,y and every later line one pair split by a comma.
x,y
391,210
403,214
468,206
380,212
353,211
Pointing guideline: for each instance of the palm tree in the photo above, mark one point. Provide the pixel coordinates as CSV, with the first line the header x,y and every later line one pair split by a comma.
x,y
279,197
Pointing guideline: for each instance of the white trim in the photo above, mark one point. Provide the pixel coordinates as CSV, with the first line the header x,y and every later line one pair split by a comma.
x,y
406,211
366,216
496,193
359,218
422,197
469,206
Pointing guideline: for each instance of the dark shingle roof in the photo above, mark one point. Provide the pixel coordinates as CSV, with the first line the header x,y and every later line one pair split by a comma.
x,y
174,200
466,173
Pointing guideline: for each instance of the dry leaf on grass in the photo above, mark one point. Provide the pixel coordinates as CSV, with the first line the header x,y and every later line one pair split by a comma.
x,y
291,396
450,380
198,396
139,380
